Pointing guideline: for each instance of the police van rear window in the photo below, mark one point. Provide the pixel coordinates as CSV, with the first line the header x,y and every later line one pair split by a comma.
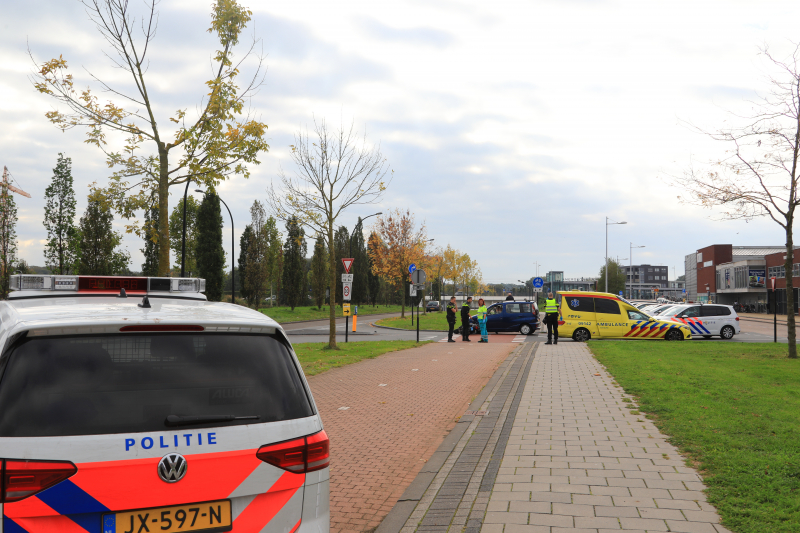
x,y
88,385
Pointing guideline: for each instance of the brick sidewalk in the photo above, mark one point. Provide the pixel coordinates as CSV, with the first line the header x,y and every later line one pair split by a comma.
x,y
578,461
400,406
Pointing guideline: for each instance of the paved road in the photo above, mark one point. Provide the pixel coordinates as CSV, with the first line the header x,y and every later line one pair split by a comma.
x,y
386,417
558,451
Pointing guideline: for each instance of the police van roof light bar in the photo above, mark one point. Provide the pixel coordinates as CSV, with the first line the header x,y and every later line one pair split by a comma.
x,y
106,284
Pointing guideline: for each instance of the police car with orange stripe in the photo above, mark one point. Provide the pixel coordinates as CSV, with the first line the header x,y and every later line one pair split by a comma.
x,y
586,315
134,405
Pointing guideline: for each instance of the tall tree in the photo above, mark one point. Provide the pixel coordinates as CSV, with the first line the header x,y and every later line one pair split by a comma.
x,y
335,170
341,241
150,250
616,277
274,264
241,274
212,146
294,254
210,254
99,250
176,234
318,273
373,279
758,177
360,268
401,244
8,238
59,219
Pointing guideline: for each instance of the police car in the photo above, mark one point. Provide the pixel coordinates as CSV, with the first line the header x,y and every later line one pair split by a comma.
x,y
134,405
706,320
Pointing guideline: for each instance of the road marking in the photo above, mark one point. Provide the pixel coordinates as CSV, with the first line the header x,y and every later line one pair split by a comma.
x,y
519,338
343,408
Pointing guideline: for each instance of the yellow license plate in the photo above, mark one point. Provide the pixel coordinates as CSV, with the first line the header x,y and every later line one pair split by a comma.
x,y
207,517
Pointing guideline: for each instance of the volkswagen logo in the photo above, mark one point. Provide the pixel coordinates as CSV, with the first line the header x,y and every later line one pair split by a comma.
x,y
172,467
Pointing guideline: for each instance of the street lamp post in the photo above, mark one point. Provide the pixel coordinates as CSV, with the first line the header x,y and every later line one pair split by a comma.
x,y
607,225
233,247
630,268
359,224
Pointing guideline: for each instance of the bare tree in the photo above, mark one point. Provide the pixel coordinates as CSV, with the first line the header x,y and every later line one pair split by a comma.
x,y
335,170
218,143
759,174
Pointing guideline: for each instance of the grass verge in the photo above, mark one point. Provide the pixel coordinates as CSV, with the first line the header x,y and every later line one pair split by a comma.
x,y
315,358
284,315
431,321
733,409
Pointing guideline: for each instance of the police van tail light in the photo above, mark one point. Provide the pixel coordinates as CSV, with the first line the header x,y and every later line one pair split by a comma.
x,y
21,478
306,454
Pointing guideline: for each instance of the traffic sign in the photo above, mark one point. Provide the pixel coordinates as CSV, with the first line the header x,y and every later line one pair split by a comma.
x,y
773,283
412,290
538,283
418,277
347,278
346,309
348,263
537,289
620,293
411,268
347,289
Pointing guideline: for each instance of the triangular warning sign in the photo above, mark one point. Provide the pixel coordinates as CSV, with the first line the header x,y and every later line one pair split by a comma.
x,y
348,263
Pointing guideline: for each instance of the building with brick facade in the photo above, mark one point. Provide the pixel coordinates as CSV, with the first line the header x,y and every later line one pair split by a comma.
x,y
776,267
729,274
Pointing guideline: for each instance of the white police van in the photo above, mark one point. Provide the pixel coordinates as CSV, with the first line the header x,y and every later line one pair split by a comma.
x,y
706,320
134,405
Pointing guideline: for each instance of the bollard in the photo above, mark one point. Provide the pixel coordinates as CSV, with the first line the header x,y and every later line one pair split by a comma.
x,y
355,319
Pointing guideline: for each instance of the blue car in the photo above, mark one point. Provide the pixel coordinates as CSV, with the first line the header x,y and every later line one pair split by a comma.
x,y
511,316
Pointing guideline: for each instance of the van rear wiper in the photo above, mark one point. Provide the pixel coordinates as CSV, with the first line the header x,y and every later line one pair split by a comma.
x,y
175,420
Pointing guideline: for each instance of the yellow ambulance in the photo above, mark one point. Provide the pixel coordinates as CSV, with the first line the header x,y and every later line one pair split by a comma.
x,y
586,315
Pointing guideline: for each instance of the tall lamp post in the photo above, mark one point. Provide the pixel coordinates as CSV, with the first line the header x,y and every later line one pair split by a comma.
x,y
233,246
607,225
360,224
630,268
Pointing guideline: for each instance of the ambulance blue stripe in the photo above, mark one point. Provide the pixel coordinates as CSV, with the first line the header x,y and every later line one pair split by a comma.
x,y
68,499
9,526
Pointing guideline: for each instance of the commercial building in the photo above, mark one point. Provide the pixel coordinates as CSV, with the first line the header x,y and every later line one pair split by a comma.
x,y
729,274
776,267
642,280
555,281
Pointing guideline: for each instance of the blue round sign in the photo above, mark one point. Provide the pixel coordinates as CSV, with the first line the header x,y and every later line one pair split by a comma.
x,y
620,293
411,268
538,283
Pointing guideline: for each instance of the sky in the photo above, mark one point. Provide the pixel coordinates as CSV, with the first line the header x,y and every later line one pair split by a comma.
x,y
513,128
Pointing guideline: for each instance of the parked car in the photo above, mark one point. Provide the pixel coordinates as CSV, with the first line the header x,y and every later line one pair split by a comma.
x,y
511,316
433,305
708,319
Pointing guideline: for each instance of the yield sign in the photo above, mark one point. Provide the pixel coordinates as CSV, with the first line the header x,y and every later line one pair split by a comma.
x,y
348,264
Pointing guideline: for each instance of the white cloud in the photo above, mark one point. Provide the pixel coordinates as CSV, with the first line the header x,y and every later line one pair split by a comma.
x,y
513,127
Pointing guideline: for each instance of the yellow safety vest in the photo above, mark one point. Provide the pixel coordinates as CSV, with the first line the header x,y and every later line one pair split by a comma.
x,y
550,306
482,312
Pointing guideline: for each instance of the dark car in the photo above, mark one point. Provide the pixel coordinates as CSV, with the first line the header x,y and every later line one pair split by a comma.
x,y
433,305
511,316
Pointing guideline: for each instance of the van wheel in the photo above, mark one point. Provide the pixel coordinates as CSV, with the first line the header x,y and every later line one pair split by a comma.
x,y
674,335
727,333
581,335
525,329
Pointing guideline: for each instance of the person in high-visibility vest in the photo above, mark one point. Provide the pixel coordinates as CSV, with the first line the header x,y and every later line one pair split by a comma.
x,y
551,318
482,312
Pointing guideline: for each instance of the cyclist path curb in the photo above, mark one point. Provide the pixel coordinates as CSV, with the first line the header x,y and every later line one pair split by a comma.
x,y
562,454
387,416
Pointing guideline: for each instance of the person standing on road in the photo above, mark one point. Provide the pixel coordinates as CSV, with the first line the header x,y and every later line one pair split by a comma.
x,y
465,320
551,319
482,312
451,318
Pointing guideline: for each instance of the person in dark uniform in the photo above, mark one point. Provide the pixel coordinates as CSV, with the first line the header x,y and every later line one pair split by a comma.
x,y
510,297
551,319
451,318
465,319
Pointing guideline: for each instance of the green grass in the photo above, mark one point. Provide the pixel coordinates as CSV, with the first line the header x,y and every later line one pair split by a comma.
x,y
316,358
283,315
734,410
431,322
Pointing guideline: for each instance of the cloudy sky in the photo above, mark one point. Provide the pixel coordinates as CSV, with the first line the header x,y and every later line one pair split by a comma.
x,y
513,128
